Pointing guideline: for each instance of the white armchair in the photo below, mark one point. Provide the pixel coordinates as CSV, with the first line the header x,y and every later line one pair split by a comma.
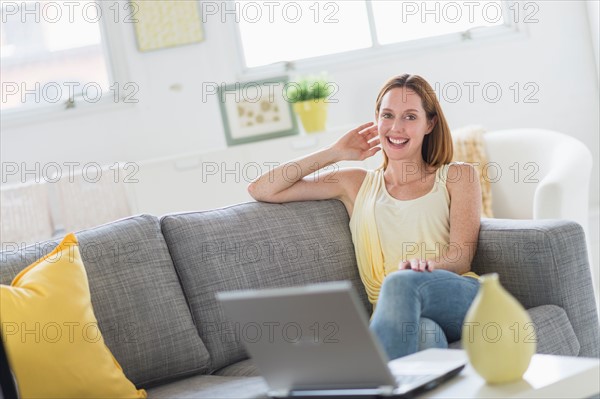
x,y
541,167
548,169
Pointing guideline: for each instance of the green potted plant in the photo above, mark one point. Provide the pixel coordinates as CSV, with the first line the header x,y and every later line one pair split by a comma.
x,y
309,96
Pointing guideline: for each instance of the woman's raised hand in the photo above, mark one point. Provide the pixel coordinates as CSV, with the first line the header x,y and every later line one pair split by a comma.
x,y
358,144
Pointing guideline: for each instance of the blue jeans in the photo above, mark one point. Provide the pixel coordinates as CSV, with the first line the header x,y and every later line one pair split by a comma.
x,y
421,310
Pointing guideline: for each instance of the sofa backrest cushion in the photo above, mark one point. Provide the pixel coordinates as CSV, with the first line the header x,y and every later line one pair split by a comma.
x,y
136,296
252,246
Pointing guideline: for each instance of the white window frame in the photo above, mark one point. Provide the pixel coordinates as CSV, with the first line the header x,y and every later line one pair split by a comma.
x,y
111,33
380,52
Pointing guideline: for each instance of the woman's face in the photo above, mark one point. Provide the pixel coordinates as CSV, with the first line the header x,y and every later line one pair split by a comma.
x,y
402,124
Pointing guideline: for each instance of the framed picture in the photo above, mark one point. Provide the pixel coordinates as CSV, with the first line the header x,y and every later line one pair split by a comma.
x,y
166,23
254,111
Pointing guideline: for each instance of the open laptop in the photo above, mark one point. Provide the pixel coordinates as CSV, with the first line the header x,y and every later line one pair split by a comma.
x,y
314,341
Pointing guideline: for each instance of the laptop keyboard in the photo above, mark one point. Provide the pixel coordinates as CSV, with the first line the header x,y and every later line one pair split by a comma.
x,y
404,380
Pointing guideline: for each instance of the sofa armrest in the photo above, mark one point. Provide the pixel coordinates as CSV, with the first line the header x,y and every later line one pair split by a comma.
x,y
543,262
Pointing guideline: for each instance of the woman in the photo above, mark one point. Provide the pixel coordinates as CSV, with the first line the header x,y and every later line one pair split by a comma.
x,y
414,220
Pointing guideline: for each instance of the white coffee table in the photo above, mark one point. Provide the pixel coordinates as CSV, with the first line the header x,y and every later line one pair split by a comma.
x,y
548,376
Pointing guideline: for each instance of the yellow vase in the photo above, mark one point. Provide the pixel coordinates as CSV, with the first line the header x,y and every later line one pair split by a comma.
x,y
498,334
313,114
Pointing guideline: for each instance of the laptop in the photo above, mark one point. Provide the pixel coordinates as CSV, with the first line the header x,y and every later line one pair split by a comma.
x,y
314,341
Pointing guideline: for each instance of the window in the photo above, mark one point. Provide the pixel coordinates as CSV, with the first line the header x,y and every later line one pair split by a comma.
x,y
281,31
420,20
52,54
302,29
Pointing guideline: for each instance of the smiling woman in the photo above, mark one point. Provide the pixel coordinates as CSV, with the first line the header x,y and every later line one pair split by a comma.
x,y
414,229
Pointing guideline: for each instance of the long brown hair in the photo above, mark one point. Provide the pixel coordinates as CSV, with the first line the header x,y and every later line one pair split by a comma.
x,y
437,147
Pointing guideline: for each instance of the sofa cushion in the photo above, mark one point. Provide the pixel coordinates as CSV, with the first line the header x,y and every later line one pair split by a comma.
x,y
555,335
252,246
136,297
244,368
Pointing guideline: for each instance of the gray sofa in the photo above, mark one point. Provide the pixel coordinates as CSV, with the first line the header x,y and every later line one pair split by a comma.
x,y
153,283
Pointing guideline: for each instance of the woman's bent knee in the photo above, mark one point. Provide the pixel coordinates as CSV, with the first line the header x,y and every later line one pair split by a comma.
x,y
399,282
410,279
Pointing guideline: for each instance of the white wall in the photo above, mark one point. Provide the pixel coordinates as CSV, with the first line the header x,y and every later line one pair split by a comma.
x,y
556,55
594,17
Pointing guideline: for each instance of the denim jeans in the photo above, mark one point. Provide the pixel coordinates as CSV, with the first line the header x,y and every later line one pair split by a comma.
x,y
421,310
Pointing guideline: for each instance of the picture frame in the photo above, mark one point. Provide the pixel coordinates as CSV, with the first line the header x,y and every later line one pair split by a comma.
x,y
257,110
161,24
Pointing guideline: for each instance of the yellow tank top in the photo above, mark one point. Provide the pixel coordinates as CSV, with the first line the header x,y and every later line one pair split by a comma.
x,y
386,230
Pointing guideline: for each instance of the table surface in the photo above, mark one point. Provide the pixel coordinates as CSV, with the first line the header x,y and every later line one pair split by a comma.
x,y
548,376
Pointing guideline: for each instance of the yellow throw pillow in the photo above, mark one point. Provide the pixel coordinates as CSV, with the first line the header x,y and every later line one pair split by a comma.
x,y
51,334
469,147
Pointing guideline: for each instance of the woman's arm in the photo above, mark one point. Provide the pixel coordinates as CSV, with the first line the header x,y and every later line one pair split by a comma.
x,y
288,182
465,217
